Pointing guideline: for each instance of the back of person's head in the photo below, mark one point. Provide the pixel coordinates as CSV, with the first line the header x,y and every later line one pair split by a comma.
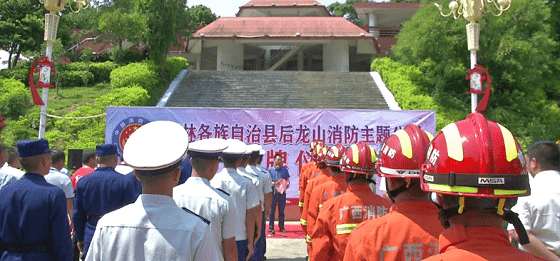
x,y
547,154
58,156
88,155
358,162
32,153
3,154
12,156
476,165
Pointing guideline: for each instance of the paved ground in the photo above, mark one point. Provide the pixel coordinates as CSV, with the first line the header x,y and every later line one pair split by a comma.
x,y
284,249
279,249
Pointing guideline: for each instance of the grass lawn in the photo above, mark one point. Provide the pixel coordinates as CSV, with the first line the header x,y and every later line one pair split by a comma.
x,y
67,100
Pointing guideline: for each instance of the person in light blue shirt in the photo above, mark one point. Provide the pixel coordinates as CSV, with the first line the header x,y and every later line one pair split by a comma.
x,y
276,173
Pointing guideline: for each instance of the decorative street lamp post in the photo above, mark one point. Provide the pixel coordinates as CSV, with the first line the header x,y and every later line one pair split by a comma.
x,y
51,26
473,10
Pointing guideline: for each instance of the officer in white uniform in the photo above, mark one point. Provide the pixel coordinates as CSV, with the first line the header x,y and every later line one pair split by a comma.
x,y
154,227
243,195
266,190
197,195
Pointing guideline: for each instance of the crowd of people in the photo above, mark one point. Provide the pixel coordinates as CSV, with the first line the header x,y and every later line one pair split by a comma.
x,y
448,197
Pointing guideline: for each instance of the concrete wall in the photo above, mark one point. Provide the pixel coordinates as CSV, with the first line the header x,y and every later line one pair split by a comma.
x,y
230,56
336,56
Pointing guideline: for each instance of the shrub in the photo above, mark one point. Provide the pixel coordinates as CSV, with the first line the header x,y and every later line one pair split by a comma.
x,y
174,65
74,78
57,139
20,74
125,56
87,54
143,74
14,98
133,95
102,71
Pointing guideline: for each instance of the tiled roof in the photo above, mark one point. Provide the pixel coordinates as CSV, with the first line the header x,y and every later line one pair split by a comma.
x,y
282,27
281,3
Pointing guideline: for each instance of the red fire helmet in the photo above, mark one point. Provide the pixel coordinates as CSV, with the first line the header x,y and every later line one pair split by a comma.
x,y
322,150
334,155
359,158
403,153
478,158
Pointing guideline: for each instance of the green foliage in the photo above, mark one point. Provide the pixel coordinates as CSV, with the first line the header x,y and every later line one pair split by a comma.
x,y
118,25
26,127
102,71
408,85
14,98
133,95
20,74
87,55
198,15
21,27
143,74
74,78
57,139
174,65
346,10
125,56
162,19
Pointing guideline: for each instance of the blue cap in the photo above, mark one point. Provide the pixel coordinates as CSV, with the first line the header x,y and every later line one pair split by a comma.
x,y
106,150
30,148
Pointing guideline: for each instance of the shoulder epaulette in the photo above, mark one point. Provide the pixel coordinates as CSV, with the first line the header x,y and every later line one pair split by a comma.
x,y
247,178
203,219
222,191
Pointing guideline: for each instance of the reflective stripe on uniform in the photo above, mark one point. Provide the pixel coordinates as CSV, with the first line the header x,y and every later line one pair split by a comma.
x,y
308,239
320,205
300,204
345,228
303,222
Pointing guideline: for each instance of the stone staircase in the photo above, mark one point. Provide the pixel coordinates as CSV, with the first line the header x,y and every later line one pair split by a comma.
x,y
277,90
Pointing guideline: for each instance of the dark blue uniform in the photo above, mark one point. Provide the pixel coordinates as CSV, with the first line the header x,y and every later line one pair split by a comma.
x,y
33,218
97,194
136,185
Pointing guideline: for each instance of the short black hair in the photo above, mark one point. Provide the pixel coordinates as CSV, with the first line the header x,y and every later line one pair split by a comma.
x,y
57,156
547,154
88,154
278,154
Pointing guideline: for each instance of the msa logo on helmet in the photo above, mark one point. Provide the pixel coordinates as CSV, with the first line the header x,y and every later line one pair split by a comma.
x,y
493,181
429,178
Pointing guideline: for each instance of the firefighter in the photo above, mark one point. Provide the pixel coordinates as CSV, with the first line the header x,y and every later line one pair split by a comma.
x,y
305,175
478,170
323,176
333,187
340,215
410,231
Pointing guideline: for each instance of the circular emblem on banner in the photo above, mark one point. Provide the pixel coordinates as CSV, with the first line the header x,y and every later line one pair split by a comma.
x,y
124,129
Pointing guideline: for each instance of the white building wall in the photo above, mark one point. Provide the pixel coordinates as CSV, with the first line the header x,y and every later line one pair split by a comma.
x,y
230,56
336,56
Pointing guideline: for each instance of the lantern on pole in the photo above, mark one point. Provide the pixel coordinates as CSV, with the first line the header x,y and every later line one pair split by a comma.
x,y
51,27
472,11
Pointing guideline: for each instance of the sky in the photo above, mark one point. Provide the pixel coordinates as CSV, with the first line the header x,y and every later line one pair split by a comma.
x,y
228,8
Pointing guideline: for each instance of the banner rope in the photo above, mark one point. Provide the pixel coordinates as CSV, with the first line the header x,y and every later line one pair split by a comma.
x,y
76,118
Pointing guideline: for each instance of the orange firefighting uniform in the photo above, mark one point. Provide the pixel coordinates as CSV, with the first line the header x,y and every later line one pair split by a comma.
x,y
313,182
409,232
336,185
303,179
339,216
478,243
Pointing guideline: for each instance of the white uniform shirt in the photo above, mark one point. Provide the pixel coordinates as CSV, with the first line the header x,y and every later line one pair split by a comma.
x,y
6,178
263,170
197,195
152,228
60,180
540,212
17,173
256,182
123,169
263,177
243,196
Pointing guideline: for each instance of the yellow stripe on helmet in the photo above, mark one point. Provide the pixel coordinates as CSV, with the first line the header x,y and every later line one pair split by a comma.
x,y
406,144
355,153
430,136
447,188
373,156
509,142
504,192
453,142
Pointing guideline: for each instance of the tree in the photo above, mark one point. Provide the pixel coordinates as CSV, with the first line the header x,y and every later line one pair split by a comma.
x,y
162,18
118,26
346,10
21,27
199,15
